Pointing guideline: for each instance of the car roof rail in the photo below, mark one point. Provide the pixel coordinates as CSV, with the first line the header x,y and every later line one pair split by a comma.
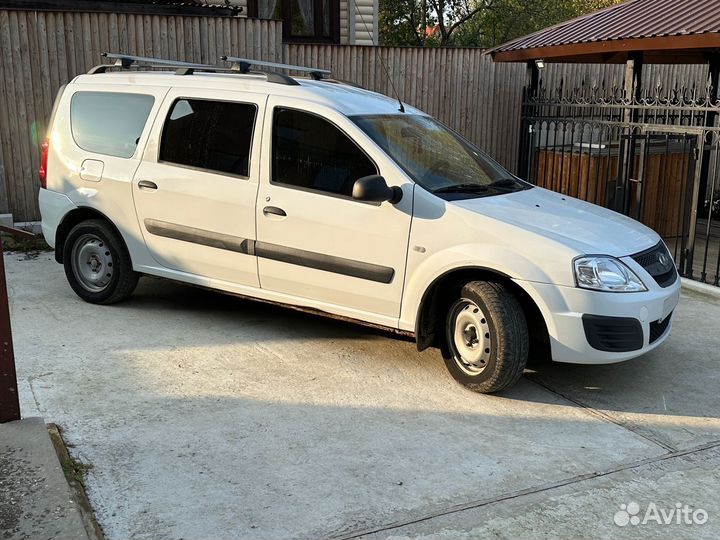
x,y
243,65
127,61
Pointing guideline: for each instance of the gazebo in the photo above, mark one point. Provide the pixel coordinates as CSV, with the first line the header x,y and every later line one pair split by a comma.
x,y
633,32
653,154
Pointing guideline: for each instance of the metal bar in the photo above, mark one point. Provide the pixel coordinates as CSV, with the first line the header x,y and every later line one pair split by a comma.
x,y
608,165
693,207
589,161
598,165
126,60
187,68
683,224
680,221
666,109
526,147
16,232
561,176
554,154
243,64
9,400
642,127
617,197
716,281
640,187
531,157
712,171
545,147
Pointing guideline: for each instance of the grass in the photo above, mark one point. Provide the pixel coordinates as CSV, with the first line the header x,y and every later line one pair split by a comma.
x,y
74,470
75,473
30,246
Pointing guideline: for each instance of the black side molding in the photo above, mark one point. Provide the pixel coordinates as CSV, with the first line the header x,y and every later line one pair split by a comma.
x,y
328,263
199,236
299,257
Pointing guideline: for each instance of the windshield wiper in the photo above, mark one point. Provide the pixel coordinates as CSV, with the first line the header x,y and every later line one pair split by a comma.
x,y
504,183
462,188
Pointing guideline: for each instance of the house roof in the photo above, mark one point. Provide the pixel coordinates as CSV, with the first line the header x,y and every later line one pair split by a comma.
x,y
666,31
162,7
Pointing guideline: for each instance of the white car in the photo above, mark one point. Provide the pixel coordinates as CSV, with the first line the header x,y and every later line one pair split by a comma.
x,y
324,196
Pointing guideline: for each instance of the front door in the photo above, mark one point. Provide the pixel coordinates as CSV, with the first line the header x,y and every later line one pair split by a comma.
x,y
196,188
314,240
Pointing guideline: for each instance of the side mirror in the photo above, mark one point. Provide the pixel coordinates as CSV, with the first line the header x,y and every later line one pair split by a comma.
x,y
373,188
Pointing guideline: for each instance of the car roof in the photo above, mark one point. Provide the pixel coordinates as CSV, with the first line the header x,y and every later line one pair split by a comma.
x,y
345,98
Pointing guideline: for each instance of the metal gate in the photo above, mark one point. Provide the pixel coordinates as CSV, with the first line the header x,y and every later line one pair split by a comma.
x,y
653,158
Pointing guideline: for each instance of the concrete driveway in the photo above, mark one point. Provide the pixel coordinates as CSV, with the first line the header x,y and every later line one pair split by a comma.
x,y
206,416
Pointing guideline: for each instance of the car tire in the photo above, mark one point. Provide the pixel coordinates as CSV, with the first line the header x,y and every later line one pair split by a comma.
x,y
486,337
97,263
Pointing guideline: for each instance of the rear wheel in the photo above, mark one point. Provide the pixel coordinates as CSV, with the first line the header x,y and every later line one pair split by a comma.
x,y
97,264
486,337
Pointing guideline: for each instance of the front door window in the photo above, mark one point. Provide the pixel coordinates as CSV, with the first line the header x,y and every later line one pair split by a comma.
x,y
310,153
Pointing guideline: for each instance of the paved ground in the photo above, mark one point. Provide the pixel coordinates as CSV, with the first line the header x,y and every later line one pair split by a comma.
x,y
206,416
35,500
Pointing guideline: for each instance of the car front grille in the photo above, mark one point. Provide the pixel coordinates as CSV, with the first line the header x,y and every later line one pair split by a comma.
x,y
658,263
658,328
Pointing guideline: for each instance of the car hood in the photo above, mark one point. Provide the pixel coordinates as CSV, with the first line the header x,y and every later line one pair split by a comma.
x,y
584,227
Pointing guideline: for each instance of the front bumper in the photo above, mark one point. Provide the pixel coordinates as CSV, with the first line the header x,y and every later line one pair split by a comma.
x,y
564,307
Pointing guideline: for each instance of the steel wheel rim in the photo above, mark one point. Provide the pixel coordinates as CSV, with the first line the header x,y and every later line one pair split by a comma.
x,y
470,337
92,263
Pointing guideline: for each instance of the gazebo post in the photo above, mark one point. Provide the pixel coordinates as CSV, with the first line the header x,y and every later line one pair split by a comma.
x,y
633,85
714,79
532,85
532,78
633,78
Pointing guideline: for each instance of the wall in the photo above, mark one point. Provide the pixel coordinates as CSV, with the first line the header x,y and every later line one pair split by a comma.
x,y
363,21
354,16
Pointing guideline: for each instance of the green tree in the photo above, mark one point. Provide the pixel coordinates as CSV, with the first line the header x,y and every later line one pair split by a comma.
x,y
482,23
401,21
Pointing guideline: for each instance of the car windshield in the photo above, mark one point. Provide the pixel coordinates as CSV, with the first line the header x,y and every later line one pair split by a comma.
x,y
436,157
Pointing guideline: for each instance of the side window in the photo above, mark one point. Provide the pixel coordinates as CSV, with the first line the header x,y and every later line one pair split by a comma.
x,y
212,135
310,152
109,123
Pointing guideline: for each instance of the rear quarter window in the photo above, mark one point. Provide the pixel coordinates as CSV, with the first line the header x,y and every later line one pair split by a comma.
x,y
109,123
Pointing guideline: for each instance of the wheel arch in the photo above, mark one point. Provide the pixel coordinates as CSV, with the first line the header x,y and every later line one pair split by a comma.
x,y
438,297
72,218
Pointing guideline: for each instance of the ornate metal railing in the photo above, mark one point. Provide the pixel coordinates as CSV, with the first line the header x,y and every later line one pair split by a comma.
x,y
652,155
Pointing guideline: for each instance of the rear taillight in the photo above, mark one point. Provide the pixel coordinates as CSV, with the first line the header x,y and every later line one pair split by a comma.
x,y
42,173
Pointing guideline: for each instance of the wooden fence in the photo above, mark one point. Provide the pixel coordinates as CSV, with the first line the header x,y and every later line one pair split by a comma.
x,y
461,87
40,51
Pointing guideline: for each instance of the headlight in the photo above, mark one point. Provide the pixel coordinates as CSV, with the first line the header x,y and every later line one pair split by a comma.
x,y
603,273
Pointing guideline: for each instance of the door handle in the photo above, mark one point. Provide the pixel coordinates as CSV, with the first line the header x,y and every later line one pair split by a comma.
x,y
147,184
274,210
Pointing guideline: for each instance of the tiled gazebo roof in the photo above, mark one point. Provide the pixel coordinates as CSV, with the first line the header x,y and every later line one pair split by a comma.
x,y
666,31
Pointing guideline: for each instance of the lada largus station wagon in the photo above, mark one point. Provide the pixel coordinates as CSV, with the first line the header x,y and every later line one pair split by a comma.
x,y
309,192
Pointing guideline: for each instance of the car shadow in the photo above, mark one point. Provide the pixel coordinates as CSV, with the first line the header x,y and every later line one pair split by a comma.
x,y
651,384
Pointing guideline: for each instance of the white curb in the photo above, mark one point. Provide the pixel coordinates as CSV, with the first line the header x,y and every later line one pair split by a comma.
x,y
704,288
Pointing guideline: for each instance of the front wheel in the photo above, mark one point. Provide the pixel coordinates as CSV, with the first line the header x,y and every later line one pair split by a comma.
x,y
97,263
486,337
